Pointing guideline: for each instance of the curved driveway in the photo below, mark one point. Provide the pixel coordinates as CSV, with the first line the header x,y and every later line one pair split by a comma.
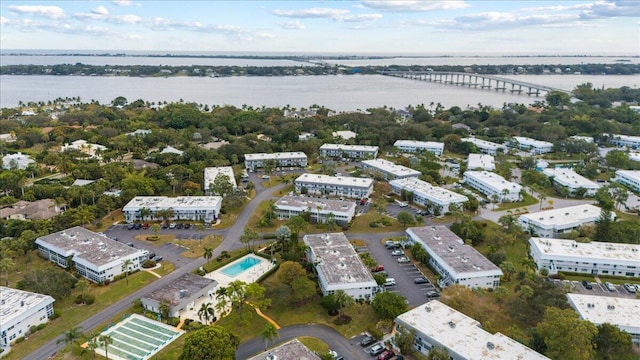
x,y
349,348
230,242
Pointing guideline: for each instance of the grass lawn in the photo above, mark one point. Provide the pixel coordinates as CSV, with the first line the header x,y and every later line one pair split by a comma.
x,y
245,323
195,248
528,200
360,224
257,215
314,344
165,269
113,217
162,238
70,313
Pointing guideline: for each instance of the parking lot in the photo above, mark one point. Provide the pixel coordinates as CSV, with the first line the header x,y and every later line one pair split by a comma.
x,y
576,287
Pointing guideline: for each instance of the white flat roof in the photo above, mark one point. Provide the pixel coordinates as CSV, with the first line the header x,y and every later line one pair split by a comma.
x,y
564,216
462,334
494,180
275,156
450,248
484,144
427,190
629,174
325,205
336,259
622,312
482,161
628,138
292,349
634,156
335,180
211,173
391,168
16,302
568,177
419,144
532,142
363,148
177,203
588,139
588,252
345,134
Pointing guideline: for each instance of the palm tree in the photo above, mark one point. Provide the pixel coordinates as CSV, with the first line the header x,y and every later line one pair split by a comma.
x,y
208,253
82,285
106,340
207,312
70,337
268,334
126,266
93,344
201,228
165,309
6,264
144,212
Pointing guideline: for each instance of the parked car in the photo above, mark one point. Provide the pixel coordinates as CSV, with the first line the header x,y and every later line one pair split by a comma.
x,y
377,268
265,177
587,285
145,226
157,258
152,255
131,226
137,226
187,226
179,226
630,288
172,226
164,226
367,340
403,259
432,294
391,244
397,252
390,282
386,355
130,244
610,286
376,349
421,280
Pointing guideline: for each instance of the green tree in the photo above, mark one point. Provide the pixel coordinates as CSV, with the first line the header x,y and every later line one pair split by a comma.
x,y
51,281
611,343
6,265
405,218
404,340
165,310
126,268
221,185
82,286
70,337
343,300
289,271
303,288
617,159
565,335
508,269
388,305
209,343
249,236
105,340
93,344
297,224
155,228
268,334
438,353
207,312
208,253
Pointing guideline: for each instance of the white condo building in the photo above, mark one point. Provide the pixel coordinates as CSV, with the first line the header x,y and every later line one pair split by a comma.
x,y
628,178
16,161
351,187
594,258
435,324
550,223
21,310
93,256
491,184
412,146
634,156
481,161
195,208
624,140
319,210
486,147
85,147
339,266
428,195
456,262
587,139
349,151
390,170
288,159
621,312
571,180
211,173
532,145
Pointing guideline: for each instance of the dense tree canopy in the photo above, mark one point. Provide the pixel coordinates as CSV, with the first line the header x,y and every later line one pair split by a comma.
x,y
210,343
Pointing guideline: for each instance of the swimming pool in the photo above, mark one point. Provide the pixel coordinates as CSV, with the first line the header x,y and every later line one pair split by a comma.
x,y
241,266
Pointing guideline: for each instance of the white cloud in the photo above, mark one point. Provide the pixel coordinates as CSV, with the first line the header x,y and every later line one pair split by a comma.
x,y
124,19
414,6
121,2
4,20
311,13
292,25
359,18
100,10
51,12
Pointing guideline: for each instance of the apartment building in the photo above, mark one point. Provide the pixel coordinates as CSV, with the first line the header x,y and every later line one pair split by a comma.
x,y
389,170
628,178
211,173
348,151
621,312
318,210
486,147
549,223
339,266
492,184
339,186
532,145
455,262
411,146
594,258
632,142
282,159
427,195
21,310
194,208
481,161
571,180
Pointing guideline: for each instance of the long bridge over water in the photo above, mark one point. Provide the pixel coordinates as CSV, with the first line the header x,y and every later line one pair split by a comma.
x,y
475,80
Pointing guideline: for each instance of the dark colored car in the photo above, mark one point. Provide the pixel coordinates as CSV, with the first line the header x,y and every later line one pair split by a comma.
x,y
187,226
587,285
179,226
131,226
386,355
432,294
368,340
164,226
421,280
138,226
152,255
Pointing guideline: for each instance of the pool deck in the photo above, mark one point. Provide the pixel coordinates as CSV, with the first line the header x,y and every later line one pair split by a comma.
x,y
248,276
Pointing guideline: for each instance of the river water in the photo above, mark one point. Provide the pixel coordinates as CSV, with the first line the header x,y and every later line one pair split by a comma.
x,y
340,93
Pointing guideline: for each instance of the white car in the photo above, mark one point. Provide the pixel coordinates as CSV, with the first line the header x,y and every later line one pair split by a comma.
x,y
610,286
403,259
397,252
266,177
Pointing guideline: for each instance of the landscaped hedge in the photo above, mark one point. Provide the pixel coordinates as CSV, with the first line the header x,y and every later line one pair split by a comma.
x,y
215,264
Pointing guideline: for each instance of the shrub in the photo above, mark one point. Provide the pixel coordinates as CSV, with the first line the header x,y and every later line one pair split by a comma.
x,y
33,329
20,339
149,264
107,282
89,299
375,332
373,224
173,321
345,227
223,211
56,314
41,326
269,236
385,222
78,300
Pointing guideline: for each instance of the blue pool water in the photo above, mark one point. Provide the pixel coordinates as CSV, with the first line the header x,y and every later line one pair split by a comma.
x,y
241,266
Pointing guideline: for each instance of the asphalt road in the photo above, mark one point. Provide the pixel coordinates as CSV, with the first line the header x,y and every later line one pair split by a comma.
x,y
349,348
230,242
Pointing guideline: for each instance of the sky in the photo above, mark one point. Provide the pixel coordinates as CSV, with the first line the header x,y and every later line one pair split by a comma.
x,y
395,27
